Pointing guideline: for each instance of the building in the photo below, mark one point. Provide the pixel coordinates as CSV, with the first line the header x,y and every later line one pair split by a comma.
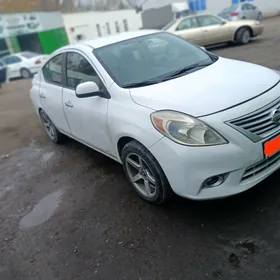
x,y
31,25
268,7
90,25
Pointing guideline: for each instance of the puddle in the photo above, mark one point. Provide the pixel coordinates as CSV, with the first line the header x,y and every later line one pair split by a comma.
x,y
41,211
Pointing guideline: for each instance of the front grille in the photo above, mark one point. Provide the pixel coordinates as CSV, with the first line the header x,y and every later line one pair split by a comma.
x,y
261,166
258,125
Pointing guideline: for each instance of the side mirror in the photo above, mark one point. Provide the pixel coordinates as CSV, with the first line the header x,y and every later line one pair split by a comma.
x,y
223,22
88,89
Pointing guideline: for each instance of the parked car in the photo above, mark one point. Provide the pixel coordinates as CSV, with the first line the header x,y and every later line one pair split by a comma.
x,y
241,11
3,73
207,29
23,64
146,107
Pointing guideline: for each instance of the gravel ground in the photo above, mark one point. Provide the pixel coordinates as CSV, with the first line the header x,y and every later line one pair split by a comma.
x,y
66,212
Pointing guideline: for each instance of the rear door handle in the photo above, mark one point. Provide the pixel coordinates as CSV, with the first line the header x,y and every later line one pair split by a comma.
x,y
69,104
42,96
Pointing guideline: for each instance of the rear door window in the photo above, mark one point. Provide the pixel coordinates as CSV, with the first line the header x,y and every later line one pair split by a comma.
x,y
52,71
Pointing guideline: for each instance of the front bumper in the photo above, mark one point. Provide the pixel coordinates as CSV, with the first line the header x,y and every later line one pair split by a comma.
x,y
187,168
241,159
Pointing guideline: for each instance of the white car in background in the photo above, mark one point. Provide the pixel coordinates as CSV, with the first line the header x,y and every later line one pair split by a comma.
x,y
23,64
178,118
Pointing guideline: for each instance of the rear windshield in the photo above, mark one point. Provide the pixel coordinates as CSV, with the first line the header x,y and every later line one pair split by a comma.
x,y
29,54
231,9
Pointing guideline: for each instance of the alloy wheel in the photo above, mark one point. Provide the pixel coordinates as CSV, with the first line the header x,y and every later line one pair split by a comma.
x,y
140,175
25,74
246,36
49,127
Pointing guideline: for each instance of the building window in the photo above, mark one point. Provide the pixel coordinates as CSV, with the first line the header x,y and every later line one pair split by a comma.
x,y
108,28
98,30
117,27
125,25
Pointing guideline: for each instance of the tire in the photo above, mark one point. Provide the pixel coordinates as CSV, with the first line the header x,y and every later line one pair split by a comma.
x,y
144,173
243,36
25,73
50,128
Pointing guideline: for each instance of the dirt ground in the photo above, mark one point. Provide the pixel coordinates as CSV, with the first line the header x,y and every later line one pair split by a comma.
x,y
66,212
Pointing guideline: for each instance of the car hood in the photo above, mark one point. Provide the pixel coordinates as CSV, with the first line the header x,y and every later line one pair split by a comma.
x,y
223,84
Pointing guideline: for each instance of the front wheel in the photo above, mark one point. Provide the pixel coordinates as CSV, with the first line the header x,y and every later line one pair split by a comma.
x,y
145,174
243,36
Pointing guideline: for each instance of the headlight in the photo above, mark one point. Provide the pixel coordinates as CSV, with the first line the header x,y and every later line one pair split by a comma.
x,y
185,130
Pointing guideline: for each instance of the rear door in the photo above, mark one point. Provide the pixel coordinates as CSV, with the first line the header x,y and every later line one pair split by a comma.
x,y
51,93
253,11
214,30
189,30
246,11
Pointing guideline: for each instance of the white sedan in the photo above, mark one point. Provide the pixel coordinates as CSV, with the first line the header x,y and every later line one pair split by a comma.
x,y
178,118
24,64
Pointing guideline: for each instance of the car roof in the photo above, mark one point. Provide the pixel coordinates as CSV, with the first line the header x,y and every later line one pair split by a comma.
x,y
104,41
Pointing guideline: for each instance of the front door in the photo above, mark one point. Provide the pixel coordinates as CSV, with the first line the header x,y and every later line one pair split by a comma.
x,y
214,30
51,93
87,117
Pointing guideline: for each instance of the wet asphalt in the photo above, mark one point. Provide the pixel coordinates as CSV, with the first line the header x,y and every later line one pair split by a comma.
x,y
67,212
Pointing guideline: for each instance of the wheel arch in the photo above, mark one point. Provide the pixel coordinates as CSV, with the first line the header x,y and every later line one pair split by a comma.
x,y
241,27
123,141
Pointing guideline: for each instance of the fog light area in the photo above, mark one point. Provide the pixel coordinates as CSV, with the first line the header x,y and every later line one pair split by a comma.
x,y
214,181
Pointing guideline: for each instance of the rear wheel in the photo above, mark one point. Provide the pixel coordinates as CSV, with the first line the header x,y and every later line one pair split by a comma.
x,y
50,128
25,73
145,174
243,36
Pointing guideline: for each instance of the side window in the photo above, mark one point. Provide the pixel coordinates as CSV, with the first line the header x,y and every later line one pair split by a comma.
x,y
108,28
125,25
251,7
117,27
187,24
52,71
98,30
12,59
79,70
209,20
244,7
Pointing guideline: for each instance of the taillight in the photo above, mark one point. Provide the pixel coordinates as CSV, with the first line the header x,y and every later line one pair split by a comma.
x,y
235,14
38,61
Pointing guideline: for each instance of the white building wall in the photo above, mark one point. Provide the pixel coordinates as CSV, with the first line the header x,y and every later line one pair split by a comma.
x,y
268,7
85,24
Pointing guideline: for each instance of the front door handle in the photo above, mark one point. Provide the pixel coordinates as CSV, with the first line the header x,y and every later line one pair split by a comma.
x,y
69,104
42,96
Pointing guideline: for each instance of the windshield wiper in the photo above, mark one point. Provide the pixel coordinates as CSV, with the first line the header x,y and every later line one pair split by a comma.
x,y
185,70
142,84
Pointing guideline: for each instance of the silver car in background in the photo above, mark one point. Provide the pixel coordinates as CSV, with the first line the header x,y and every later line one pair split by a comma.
x,y
241,11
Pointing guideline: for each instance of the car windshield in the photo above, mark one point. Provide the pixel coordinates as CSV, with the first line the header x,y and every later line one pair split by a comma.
x,y
151,59
230,9
28,54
